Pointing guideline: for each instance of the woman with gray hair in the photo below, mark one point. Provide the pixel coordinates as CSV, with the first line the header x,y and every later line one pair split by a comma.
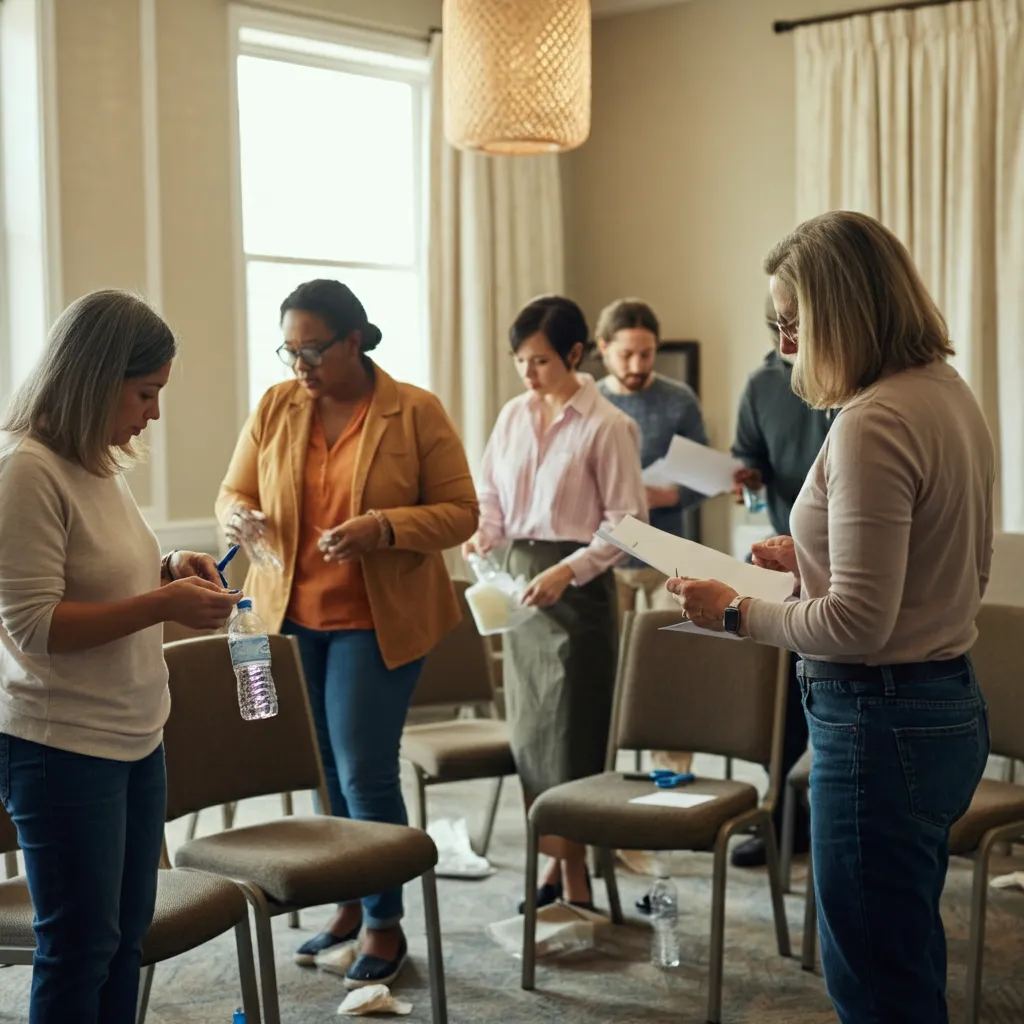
x,y
84,594
891,550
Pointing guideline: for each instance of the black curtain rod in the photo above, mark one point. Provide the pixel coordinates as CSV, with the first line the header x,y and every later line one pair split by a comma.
x,y
789,26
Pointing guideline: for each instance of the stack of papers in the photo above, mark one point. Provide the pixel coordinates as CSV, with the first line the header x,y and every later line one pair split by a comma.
x,y
692,465
676,556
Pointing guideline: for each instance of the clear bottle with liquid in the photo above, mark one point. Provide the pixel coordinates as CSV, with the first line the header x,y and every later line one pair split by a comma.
x,y
754,500
250,658
664,898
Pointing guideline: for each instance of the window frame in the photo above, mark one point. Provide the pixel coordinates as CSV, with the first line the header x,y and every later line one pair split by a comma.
x,y
401,58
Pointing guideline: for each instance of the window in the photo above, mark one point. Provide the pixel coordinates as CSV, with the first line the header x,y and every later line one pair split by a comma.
x,y
331,172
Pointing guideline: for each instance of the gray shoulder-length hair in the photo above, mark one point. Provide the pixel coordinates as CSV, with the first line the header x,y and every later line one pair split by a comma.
x,y
70,400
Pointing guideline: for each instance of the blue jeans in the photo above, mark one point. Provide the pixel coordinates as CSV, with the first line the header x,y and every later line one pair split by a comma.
x,y
898,753
91,831
359,709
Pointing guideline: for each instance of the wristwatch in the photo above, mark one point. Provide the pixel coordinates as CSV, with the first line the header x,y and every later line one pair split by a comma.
x,y
731,623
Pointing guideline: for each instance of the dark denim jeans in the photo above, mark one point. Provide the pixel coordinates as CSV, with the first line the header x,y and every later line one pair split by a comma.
x,y
359,709
898,753
91,831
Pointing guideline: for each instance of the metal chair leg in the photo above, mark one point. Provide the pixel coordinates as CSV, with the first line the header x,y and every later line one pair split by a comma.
x,y
976,944
530,909
611,883
145,987
775,885
492,814
788,837
435,954
638,760
728,768
717,950
247,972
227,813
265,949
11,864
421,799
193,824
809,942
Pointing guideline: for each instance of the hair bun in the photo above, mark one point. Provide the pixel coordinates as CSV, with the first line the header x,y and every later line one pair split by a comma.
x,y
371,337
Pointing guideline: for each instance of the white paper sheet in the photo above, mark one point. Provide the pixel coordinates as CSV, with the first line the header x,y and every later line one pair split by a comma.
x,y
676,556
672,798
657,475
698,467
689,627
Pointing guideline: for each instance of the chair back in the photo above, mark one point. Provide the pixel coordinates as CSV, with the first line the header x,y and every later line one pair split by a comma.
x,y
8,833
998,656
1006,584
683,691
458,669
213,755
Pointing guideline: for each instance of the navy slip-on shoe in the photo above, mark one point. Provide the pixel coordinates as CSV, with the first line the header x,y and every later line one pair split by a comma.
x,y
373,970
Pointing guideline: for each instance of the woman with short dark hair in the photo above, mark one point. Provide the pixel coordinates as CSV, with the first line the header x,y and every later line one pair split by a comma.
x,y
359,483
83,684
561,463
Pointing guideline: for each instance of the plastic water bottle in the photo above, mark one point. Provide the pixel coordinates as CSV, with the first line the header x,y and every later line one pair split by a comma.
x,y
754,500
250,658
664,922
238,1017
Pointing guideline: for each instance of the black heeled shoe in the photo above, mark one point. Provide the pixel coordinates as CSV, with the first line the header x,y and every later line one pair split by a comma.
x,y
548,893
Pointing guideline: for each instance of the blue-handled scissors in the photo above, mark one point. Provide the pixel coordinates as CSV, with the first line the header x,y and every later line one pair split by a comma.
x,y
223,564
665,778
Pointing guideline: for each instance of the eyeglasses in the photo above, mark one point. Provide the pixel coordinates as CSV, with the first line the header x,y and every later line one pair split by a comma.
x,y
311,355
788,330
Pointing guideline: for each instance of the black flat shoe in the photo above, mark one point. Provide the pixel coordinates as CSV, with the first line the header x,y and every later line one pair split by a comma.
x,y
548,893
306,954
374,970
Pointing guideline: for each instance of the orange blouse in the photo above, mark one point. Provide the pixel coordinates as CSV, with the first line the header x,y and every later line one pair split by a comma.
x,y
329,595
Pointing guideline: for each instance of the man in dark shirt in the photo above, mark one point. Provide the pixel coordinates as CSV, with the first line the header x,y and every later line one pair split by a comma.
x,y
628,334
778,437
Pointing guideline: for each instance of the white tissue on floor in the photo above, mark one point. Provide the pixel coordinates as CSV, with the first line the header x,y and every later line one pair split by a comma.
x,y
1015,878
455,856
361,1002
338,959
561,928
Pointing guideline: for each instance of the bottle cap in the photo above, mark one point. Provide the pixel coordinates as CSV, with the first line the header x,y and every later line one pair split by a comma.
x,y
245,605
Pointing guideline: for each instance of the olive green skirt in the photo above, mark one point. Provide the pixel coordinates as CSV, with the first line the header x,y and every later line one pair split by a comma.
x,y
559,671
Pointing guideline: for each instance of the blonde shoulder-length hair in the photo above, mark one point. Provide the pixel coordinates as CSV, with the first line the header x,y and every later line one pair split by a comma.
x,y
70,400
864,311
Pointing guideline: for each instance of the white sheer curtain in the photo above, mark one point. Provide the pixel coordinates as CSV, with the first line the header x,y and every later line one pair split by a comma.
x,y
917,117
495,241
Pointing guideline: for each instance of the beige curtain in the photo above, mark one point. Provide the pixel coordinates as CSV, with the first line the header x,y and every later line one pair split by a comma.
x,y
495,241
917,117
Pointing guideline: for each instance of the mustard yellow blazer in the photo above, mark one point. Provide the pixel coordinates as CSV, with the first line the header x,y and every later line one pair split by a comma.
x,y
410,464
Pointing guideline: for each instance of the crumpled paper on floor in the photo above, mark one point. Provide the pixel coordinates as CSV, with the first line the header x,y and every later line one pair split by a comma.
x,y
561,928
455,855
362,1002
338,959
1014,879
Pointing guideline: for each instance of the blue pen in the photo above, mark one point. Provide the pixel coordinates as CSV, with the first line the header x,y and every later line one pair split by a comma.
x,y
223,564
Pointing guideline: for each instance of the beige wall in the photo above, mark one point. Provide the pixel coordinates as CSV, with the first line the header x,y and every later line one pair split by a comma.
x,y
687,180
103,197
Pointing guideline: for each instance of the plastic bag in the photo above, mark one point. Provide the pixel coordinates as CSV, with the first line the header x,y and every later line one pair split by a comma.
x,y
361,1002
496,598
455,855
561,928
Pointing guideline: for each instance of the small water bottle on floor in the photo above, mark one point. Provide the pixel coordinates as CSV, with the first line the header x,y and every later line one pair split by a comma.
x,y
250,658
664,923
238,1017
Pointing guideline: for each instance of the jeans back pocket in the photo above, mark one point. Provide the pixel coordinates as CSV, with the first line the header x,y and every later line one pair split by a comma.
x,y
941,765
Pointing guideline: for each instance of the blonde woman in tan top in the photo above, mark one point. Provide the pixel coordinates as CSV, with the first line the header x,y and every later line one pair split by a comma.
x,y
891,549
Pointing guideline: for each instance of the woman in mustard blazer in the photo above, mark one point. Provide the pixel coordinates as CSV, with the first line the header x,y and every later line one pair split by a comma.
x,y
358,482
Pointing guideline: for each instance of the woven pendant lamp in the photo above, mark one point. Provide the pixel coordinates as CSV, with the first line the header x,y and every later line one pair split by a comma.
x,y
517,75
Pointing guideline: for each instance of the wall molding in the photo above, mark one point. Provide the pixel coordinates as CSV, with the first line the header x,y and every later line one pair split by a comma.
x,y
188,534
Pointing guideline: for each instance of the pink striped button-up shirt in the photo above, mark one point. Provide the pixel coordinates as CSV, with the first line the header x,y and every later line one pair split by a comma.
x,y
581,475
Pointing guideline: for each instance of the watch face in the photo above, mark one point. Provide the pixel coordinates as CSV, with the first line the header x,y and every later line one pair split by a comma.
x,y
732,620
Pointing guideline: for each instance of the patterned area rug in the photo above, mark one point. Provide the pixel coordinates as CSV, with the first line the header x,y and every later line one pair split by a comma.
x,y
613,985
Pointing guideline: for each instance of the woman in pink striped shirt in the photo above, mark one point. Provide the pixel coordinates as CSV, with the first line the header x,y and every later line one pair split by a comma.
x,y
561,463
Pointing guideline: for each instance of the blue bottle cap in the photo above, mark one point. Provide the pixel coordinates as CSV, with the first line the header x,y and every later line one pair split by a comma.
x,y
245,605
